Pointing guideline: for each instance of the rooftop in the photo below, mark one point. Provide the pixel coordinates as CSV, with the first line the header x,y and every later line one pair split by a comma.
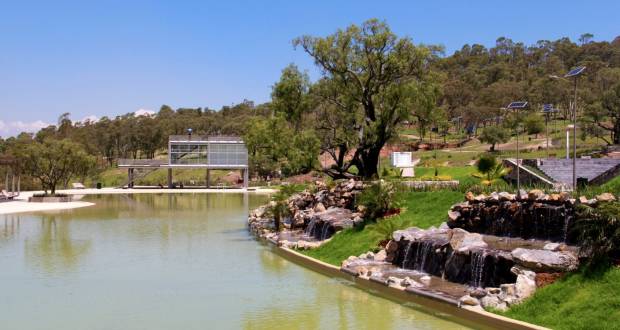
x,y
205,138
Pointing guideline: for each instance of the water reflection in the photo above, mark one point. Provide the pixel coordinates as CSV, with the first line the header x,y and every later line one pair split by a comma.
x,y
167,262
10,227
53,250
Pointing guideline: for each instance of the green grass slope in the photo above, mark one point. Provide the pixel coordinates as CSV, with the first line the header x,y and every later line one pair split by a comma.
x,y
578,301
422,209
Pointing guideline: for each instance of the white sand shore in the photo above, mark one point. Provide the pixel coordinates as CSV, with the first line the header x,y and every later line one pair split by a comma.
x,y
21,204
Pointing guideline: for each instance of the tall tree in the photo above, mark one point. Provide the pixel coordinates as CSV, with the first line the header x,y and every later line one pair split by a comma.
x,y
380,72
290,94
53,162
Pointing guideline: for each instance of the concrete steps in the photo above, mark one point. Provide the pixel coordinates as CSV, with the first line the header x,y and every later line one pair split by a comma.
x,y
561,170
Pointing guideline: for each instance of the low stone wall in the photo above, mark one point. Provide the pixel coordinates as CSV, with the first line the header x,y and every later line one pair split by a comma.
x,y
50,199
422,185
534,215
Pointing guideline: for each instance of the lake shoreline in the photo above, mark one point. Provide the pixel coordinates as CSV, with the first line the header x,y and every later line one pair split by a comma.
x,y
466,314
21,204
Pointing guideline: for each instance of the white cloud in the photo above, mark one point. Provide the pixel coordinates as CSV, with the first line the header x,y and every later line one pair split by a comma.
x,y
15,127
91,118
143,112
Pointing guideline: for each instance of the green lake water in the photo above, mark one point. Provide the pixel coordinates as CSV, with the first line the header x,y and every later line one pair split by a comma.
x,y
177,261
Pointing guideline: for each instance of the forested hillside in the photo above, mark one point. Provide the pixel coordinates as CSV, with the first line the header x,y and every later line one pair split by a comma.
x,y
365,94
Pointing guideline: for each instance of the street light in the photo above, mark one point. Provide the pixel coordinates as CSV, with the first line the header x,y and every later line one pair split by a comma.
x,y
548,110
574,73
516,106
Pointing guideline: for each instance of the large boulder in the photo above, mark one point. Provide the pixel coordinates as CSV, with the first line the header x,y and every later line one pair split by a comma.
x,y
463,241
339,218
408,234
493,301
605,197
535,194
545,260
526,282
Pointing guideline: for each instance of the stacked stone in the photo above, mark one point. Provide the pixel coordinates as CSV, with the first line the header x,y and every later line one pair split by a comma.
x,y
333,207
506,277
530,215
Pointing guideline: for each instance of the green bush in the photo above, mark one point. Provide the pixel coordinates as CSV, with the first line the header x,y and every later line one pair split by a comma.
x,y
379,198
489,170
486,163
598,231
435,178
384,228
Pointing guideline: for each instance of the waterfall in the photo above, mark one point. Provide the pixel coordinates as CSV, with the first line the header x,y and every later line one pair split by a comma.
x,y
325,231
477,268
310,227
417,259
567,219
406,257
422,252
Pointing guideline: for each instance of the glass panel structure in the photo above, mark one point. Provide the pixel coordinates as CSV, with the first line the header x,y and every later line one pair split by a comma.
x,y
188,154
208,152
221,154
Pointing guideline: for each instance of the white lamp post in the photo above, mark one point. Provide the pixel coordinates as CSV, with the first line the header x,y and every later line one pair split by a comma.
x,y
517,106
574,73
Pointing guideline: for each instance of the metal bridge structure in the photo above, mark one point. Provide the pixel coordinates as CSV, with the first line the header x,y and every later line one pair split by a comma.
x,y
193,152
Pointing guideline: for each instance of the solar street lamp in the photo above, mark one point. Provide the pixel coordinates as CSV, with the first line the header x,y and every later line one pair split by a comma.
x,y
574,73
516,106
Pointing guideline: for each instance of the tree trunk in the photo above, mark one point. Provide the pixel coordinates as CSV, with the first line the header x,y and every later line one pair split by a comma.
x,y
616,131
368,163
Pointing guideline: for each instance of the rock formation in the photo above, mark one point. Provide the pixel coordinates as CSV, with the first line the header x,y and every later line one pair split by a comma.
x,y
313,217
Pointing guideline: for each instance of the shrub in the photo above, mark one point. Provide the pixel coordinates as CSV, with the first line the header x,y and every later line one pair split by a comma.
x,y
435,178
379,198
598,231
489,170
384,228
486,163
280,210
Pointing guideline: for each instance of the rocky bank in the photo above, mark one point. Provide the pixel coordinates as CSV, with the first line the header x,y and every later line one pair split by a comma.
x,y
313,217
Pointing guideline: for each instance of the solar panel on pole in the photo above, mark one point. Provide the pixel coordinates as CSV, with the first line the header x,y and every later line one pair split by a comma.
x,y
575,72
517,105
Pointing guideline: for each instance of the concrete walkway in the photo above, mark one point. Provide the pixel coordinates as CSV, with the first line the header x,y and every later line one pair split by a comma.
x,y
21,204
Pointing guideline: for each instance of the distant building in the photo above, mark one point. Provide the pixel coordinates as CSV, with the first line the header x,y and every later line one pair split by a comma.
x,y
195,152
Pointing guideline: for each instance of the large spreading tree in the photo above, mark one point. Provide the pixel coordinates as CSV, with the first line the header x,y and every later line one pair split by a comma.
x,y
54,162
380,73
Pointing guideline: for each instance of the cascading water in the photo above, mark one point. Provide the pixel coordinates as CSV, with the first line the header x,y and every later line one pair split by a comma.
x,y
567,219
325,231
407,253
310,227
477,268
422,252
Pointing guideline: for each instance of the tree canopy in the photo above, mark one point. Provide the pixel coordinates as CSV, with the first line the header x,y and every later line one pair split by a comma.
x,y
381,75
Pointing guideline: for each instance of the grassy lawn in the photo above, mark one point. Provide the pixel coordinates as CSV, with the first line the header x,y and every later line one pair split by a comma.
x,y
114,177
579,301
422,209
461,173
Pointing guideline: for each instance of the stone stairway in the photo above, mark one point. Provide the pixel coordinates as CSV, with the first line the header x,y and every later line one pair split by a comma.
x,y
561,170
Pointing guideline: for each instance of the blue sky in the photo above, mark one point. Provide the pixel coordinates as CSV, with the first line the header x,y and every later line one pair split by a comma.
x,y
114,57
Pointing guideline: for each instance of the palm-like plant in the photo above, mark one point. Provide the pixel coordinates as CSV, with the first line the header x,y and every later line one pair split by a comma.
x,y
598,231
489,170
385,228
379,198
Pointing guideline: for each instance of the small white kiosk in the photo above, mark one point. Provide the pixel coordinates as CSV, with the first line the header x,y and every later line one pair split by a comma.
x,y
403,161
